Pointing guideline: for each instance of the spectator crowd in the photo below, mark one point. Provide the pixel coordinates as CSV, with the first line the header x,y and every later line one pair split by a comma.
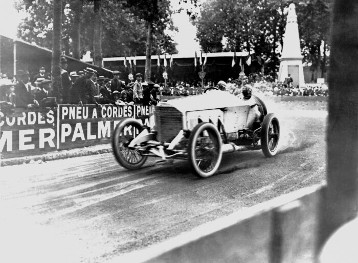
x,y
259,84
82,87
87,87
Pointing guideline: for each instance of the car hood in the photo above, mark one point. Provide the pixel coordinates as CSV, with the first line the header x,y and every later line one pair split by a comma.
x,y
213,99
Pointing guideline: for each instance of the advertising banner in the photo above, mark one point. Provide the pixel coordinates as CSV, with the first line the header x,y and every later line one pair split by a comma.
x,y
34,131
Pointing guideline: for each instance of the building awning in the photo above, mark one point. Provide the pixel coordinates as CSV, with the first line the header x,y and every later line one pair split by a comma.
x,y
31,57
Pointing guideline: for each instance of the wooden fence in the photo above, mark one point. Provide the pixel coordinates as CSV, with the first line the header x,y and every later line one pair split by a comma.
x,y
284,229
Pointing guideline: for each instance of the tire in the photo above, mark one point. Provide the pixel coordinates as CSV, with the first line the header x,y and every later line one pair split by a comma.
x,y
129,158
205,149
270,135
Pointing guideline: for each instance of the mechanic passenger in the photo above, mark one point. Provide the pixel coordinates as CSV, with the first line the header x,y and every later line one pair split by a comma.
x,y
221,85
254,115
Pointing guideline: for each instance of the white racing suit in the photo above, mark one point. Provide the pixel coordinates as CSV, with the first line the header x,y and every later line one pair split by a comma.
x,y
254,112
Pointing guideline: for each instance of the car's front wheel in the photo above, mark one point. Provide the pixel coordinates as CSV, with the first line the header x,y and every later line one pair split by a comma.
x,y
205,149
270,135
123,134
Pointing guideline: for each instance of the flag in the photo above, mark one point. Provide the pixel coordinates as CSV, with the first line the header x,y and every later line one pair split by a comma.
x,y
233,60
248,61
134,61
125,61
158,62
206,58
201,58
130,62
195,60
165,60
171,60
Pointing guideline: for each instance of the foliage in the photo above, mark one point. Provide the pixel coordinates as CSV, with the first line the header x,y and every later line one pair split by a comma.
x,y
257,26
314,27
38,24
123,29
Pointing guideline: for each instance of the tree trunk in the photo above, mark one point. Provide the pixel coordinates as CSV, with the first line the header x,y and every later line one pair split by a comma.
x,y
65,46
319,59
76,30
282,24
275,59
97,39
323,67
340,200
148,52
56,49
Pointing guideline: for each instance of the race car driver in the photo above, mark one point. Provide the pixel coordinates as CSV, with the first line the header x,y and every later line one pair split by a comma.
x,y
254,113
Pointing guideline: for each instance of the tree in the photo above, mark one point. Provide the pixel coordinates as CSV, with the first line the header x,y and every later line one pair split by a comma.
x,y
97,36
156,14
253,26
38,23
258,26
56,49
123,33
76,6
315,39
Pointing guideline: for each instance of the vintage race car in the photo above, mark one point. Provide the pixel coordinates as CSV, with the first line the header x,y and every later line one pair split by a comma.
x,y
197,128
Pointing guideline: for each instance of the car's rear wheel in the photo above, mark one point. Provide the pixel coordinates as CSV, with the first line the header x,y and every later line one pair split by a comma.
x,y
123,134
205,149
270,135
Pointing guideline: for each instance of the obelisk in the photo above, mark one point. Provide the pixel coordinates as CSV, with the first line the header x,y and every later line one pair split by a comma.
x,y
291,58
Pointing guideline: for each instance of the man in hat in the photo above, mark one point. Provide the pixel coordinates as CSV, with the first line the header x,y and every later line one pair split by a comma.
x,y
7,94
45,95
155,94
66,82
42,74
74,76
78,85
138,89
105,94
116,83
83,90
117,100
147,86
127,93
150,90
23,97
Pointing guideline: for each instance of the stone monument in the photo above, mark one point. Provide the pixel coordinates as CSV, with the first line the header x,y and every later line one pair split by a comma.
x,y
291,58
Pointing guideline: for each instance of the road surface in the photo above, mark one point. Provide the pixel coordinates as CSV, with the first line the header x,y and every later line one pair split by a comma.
x,y
89,209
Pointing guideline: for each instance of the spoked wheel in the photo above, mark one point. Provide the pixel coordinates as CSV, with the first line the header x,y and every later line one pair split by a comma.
x,y
123,134
205,149
270,135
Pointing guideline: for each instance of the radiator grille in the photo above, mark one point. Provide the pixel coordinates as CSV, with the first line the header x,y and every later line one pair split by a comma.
x,y
168,122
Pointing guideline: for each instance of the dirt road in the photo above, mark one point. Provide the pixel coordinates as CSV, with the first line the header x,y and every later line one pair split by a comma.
x,y
89,209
